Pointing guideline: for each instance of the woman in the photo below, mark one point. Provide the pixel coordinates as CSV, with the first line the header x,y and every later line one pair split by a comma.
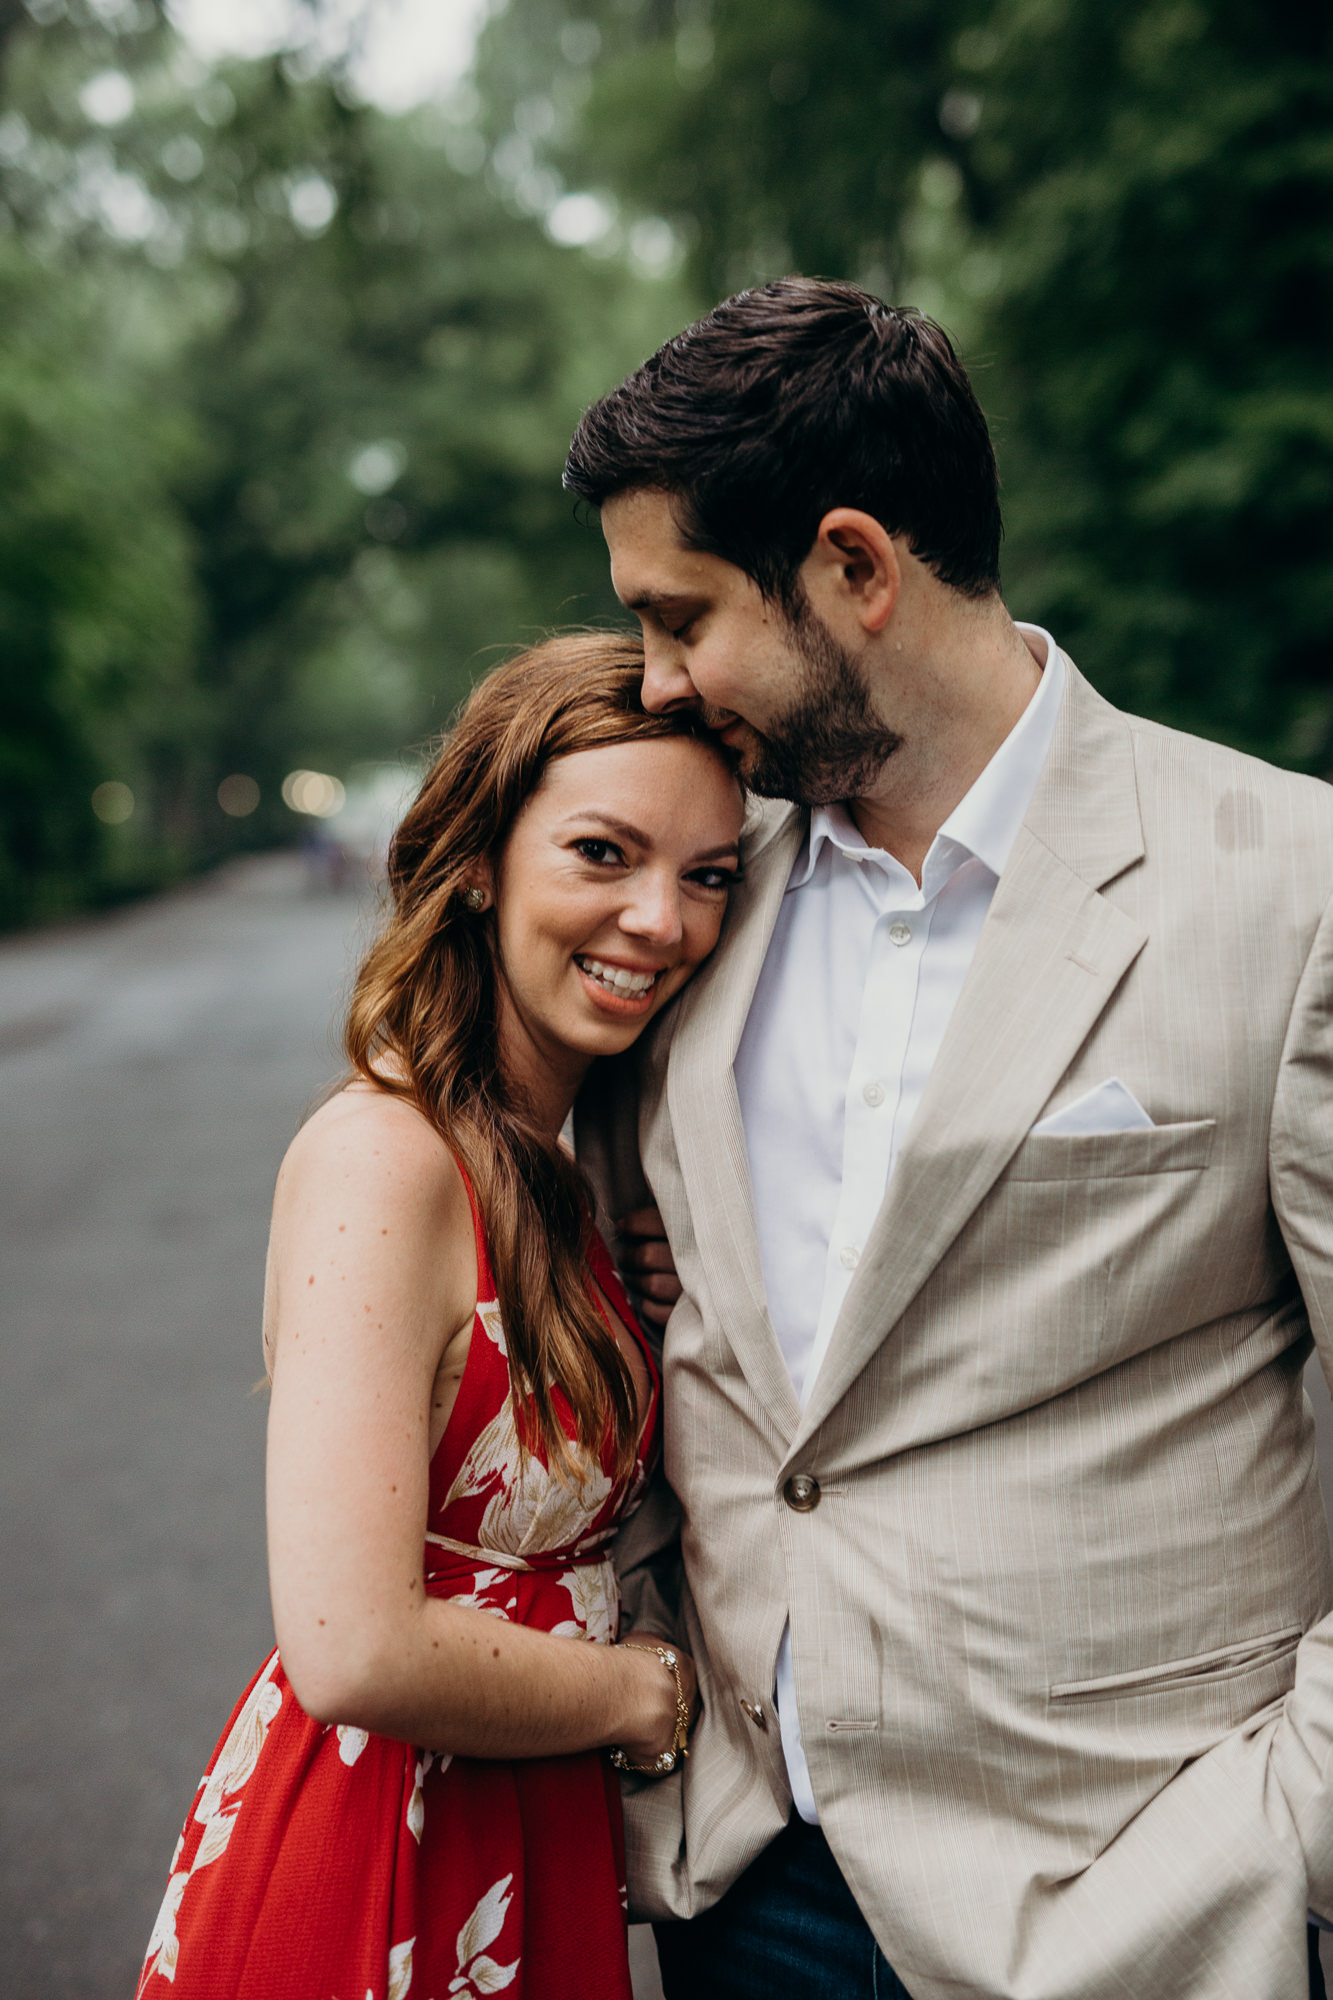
x,y
412,1795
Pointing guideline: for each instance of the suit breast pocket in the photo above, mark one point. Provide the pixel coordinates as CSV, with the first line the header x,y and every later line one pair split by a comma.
x,y
1093,1156
1094,1239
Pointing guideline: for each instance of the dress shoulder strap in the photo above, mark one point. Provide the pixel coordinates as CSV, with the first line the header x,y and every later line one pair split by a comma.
x,y
485,1276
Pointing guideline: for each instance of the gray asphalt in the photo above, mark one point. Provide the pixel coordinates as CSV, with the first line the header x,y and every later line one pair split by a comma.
x,y
153,1067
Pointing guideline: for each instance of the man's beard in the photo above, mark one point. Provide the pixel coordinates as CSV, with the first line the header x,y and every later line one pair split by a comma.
x,y
830,744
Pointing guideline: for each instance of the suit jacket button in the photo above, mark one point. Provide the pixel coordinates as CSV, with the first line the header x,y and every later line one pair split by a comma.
x,y
801,1492
756,1714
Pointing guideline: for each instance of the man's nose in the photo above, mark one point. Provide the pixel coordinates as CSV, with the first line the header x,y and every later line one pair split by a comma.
x,y
666,680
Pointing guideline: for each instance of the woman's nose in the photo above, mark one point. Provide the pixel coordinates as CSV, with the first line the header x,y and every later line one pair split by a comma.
x,y
653,911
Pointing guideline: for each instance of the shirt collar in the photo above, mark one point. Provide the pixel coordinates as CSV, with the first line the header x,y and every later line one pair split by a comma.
x,y
986,820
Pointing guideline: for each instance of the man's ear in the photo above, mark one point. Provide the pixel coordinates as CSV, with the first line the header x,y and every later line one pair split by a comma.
x,y
853,567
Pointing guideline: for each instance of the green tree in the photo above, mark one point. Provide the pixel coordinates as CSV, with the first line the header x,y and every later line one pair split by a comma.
x,y
1160,182
284,398
1124,214
96,598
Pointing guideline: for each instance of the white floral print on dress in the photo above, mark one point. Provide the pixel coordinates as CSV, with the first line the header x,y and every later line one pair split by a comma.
x,y
528,1508
231,1768
351,1742
477,1972
400,1969
416,1805
489,1315
596,1599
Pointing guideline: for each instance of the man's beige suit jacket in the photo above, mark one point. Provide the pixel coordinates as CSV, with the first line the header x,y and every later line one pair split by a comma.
x,y
1060,1616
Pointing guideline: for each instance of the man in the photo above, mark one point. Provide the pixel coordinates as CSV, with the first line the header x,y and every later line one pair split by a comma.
x,y
995,1151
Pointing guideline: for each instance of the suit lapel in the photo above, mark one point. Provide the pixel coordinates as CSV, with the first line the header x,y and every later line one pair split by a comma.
x,y
1051,954
706,1114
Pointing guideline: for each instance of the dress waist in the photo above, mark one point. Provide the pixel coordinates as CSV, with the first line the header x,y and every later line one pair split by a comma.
x,y
548,1561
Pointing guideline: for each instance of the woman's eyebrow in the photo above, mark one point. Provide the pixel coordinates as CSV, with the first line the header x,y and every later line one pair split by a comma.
x,y
620,826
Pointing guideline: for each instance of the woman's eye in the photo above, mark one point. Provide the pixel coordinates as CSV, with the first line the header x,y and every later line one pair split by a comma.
x,y
602,853
715,878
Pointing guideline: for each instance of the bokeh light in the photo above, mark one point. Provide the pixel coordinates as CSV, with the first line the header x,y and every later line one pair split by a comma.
x,y
238,795
375,467
580,219
108,99
314,793
113,803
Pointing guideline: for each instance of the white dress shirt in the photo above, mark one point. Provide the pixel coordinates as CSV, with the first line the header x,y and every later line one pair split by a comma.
x,y
861,976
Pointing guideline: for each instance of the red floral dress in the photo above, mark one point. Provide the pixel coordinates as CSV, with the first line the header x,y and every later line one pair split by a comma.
x,y
323,1863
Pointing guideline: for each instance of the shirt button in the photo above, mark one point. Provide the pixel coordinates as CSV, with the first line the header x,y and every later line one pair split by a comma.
x,y
849,1256
873,1094
900,933
801,1492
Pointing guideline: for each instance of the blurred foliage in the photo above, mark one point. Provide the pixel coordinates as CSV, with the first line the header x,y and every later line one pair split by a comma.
x,y
1161,186
1124,214
286,382
285,390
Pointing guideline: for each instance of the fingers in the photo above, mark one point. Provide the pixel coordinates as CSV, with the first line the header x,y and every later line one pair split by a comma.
x,y
664,1286
645,1257
648,1254
654,1296
651,1314
642,1222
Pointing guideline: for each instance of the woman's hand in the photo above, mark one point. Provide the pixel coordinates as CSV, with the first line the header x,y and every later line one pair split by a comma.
x,y
649,1265
656,1732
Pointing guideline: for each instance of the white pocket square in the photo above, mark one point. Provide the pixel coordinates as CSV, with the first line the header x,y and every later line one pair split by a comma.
x,y
1111,1107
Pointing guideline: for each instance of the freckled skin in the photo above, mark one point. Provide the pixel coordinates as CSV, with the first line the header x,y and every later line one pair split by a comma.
x,y
631,874
622,856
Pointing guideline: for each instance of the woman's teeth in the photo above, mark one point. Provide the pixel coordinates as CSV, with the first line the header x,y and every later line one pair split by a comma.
x,y
615,978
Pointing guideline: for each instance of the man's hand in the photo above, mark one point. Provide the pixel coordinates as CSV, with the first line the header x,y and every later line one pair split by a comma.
x,y
646,1258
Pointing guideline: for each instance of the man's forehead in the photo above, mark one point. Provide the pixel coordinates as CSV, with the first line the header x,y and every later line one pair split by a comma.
x,y
642,517
651,562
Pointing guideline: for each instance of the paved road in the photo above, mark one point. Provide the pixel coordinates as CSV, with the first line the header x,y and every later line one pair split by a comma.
x,y
153,1067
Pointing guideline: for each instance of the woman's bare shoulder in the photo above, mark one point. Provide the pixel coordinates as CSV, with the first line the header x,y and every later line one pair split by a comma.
x,y
380,1147
372,1203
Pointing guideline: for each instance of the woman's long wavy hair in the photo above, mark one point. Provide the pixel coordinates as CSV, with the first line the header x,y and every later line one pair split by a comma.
x,y
423,1020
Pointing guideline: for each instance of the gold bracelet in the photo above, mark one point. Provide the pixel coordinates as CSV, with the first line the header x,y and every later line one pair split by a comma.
x,y
667,1761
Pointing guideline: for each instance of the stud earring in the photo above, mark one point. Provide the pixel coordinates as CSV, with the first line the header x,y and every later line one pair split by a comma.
x,y
475,899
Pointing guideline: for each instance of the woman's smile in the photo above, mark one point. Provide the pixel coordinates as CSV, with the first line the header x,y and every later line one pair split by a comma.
x,y
621,988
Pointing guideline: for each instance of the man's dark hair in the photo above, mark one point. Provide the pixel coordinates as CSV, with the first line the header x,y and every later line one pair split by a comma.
x,y
792,399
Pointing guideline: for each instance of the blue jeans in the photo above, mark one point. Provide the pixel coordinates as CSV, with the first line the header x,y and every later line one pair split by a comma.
x,y
790,1929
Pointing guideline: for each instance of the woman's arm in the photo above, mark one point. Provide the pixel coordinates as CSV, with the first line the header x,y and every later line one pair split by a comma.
x,y
372,1270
